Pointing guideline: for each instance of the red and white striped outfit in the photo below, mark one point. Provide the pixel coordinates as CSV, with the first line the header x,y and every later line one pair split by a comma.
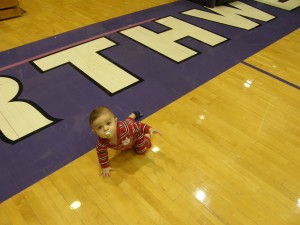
x,y
131,134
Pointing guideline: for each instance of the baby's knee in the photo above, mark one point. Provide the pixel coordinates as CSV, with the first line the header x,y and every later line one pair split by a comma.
x,y
141,151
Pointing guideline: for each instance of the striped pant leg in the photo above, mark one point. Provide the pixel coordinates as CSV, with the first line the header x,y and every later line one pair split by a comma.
x,y
142,145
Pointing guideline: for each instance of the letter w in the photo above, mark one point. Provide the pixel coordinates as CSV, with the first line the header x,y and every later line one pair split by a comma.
x,y
233,16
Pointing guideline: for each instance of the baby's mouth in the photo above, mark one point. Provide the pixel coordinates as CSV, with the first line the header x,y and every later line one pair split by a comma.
x,y
108,134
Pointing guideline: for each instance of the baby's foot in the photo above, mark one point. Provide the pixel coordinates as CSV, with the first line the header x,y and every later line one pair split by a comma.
x,y
137,114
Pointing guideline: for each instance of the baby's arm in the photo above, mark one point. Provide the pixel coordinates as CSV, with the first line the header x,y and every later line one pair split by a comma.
x,y
146,129
103,159
154,131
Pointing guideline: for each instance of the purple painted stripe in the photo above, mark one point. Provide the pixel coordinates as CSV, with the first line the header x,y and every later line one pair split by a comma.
x,y
74,44
272,75
65,93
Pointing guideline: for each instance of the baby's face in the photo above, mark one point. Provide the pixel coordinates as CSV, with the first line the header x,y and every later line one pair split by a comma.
x,y
105,126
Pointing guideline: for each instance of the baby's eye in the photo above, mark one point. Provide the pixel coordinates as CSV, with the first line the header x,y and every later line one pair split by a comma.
x,y
99,128
108,123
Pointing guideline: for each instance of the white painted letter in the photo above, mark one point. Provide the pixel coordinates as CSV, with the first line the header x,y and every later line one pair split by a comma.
x,y
17,118
288,5
164,42
231,16
108,75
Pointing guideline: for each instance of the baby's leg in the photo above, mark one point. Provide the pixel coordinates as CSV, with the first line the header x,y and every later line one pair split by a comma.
x,y
131,116
142,145
135,115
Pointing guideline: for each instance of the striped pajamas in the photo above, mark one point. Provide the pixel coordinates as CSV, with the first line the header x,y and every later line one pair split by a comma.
x,y
131,134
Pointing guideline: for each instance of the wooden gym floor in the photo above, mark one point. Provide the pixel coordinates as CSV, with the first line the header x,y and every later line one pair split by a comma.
x,y
230,150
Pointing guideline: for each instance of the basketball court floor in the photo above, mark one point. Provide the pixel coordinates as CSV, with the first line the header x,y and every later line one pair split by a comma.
x,y
222,85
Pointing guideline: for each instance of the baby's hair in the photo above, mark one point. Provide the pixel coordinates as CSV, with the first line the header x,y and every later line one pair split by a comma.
x,y
98,112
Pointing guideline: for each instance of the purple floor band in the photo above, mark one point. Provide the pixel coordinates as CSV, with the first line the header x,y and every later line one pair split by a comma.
x,y
65,95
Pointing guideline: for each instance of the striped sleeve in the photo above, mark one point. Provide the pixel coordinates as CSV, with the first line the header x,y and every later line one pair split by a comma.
x,y
102,154
144,128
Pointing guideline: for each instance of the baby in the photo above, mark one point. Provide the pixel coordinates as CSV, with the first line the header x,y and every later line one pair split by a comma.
x,y
119,135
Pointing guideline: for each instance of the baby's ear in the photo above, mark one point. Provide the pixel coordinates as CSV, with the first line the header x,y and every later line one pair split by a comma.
x,y
116,119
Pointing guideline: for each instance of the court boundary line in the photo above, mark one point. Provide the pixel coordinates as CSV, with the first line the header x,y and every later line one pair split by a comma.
x,y
271,75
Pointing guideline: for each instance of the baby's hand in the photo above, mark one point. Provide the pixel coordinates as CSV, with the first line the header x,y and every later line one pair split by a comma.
x,y
154,131
106,171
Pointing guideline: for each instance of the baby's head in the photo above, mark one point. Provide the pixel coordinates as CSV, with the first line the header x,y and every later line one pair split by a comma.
x,y
103,122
